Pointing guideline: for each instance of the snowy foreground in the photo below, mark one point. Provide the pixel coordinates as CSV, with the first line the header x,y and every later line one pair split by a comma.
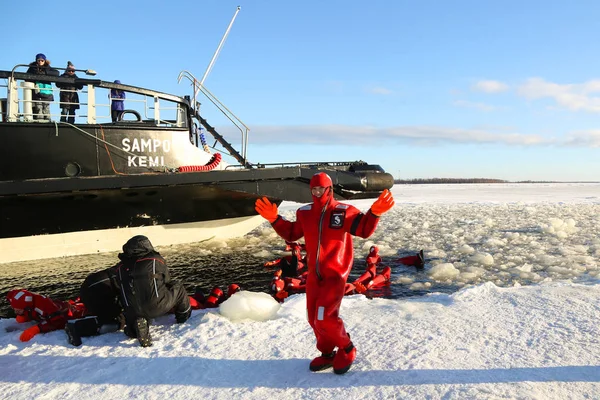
x,y
540,341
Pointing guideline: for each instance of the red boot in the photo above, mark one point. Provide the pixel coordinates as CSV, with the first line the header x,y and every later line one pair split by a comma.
x,y
214,298
322,362
233,288
343,359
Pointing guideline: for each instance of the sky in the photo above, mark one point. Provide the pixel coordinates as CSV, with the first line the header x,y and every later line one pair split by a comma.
x,y
535,337
462,89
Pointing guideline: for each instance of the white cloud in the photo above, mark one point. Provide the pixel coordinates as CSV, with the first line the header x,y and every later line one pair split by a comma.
x,y
575,97
365,135
584,139
474,105
379,90
489,86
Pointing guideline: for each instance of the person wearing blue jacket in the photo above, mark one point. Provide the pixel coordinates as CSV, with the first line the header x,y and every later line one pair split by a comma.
x,y
117,105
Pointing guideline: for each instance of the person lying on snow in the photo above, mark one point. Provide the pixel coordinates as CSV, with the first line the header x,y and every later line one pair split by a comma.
x,y
327,227
146,290
50,314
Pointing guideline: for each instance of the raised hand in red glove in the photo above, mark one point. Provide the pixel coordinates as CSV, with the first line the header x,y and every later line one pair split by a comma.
x,y
266,209
22,318
29,333
383,204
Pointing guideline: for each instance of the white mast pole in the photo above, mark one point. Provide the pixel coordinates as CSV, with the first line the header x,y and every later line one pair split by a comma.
x,y
219,47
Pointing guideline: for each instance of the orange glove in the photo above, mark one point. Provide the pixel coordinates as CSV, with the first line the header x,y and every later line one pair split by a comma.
x,y
266,209
359,288
383,204
21,318
281,295
29,333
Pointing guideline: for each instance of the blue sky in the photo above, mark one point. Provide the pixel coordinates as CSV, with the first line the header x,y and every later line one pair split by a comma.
x,y
494,89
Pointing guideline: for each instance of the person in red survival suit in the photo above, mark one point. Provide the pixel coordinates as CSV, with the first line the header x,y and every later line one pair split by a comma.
x,y
293,265
51,314
327,227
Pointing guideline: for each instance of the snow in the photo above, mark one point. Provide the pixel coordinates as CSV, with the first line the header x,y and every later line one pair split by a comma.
x,y
524,324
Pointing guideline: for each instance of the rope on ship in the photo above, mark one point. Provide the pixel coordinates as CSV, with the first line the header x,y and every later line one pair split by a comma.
x,y
203,141
212,164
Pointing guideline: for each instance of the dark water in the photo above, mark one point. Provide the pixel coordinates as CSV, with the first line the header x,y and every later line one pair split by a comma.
x,y
60,278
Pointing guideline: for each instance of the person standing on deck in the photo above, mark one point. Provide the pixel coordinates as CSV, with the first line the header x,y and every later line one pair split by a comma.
x,y
327,227
42,95
69,98
117,105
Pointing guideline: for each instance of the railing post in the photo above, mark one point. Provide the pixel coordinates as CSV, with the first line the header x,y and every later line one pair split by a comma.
x,y
156,110
91,114
28,88
12,101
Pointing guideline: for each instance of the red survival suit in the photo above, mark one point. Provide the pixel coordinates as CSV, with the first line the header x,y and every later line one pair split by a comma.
x,y
327,226
51,314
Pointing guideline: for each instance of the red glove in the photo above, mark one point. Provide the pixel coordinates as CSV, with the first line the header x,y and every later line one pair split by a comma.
x,y
383,204
21,318
29,333
266,209
359,288
280,296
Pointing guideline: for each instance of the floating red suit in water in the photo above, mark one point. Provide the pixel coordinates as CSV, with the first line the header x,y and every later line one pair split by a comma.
x,y
282,285
293,265
418,260
370,278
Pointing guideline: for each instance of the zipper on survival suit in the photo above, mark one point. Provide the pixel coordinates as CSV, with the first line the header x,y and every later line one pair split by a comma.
x,y
319,241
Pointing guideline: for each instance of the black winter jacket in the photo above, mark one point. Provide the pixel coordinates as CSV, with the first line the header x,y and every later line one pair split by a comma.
x,y
145,283
45,69
100,294
69,94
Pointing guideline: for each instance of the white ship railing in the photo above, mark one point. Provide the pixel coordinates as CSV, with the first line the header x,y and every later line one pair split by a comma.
x,y
16,104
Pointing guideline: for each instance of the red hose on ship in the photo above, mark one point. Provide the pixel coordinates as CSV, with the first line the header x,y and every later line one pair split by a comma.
x,y
212,164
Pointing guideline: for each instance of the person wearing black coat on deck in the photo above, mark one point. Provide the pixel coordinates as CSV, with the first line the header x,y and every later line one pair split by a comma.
x,y
146,289
69,98
42,95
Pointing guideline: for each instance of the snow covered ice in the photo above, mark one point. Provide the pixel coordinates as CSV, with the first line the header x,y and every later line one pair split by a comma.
x,y
524,324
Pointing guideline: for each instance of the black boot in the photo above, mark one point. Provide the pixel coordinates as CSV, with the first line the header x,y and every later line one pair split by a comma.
x,y
142,329
183,310
184,316
82,327
72,334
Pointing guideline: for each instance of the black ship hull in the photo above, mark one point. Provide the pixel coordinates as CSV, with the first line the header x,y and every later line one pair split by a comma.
x,y
50,206
82,188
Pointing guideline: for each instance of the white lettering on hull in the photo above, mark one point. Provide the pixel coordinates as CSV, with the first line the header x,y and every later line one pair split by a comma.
x,y
136,145
145,161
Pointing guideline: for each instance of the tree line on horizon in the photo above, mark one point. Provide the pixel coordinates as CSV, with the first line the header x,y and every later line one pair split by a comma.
x,y
458,180
448,180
